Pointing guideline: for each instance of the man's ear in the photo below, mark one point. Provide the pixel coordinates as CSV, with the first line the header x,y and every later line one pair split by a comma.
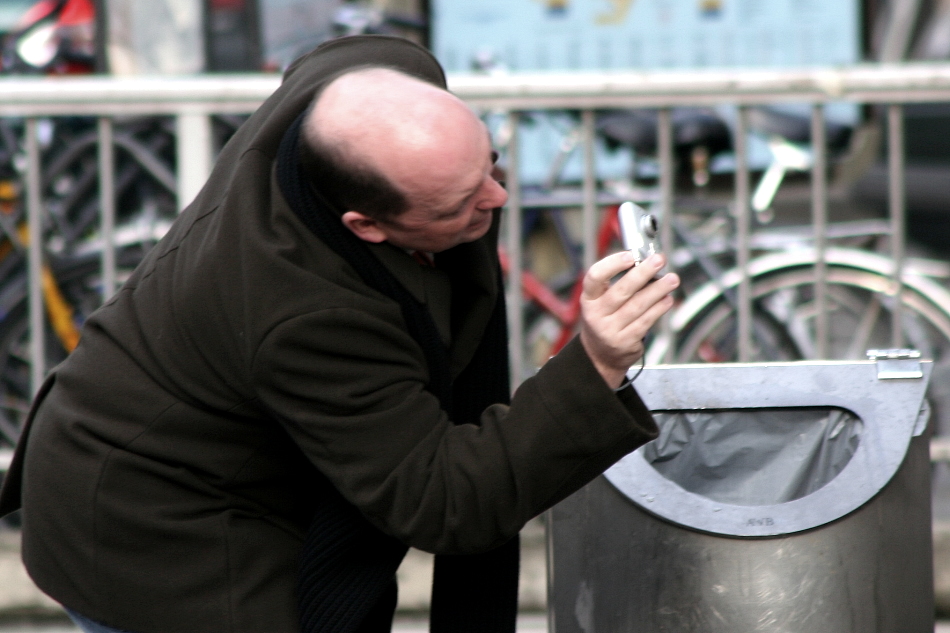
x,y
363,227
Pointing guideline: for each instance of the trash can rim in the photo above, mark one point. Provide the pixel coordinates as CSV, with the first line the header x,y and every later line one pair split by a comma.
x,y
888,409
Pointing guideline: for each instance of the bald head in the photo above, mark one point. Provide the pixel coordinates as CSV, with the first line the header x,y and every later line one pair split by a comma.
x,y
367,110
403,160
383,125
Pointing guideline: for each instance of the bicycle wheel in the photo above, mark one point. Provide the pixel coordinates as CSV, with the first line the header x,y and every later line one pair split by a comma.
x,y
860,312
860,303
144,176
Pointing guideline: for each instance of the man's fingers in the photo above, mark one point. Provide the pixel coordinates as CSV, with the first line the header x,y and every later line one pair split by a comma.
x,y
639,287
639,277
638,327
644,296
597,279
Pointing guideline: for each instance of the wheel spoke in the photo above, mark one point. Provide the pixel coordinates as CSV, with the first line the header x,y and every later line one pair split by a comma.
x,y
862,334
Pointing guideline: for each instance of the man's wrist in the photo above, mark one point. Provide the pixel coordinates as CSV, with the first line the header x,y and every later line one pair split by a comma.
x,y
612,376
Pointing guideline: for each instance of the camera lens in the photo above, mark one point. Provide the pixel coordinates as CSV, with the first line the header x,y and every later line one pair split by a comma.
x,y
648,225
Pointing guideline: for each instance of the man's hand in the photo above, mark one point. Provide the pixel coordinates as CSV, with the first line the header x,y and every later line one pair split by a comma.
x,y
615,318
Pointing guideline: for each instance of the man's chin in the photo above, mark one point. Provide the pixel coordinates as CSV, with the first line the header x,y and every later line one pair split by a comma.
x,y
472,233
478,230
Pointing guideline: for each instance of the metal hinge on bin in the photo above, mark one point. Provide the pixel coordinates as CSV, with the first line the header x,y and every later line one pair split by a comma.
x,y
896,363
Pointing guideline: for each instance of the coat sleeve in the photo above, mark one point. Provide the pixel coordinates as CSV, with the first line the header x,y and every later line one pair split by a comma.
x,y
350,389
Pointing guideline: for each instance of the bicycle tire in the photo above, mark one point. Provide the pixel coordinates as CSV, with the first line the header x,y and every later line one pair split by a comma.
x,y
861,301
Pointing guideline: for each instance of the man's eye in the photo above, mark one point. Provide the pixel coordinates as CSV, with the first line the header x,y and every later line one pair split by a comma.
x,y
494,157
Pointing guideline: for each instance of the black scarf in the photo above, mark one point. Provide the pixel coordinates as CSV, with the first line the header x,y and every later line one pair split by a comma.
x,y
348,567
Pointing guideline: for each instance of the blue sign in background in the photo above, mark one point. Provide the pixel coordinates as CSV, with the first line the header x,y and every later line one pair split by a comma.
x,y
538,35
617,35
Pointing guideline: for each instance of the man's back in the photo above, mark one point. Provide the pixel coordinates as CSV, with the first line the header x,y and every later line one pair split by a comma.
x,y
152,468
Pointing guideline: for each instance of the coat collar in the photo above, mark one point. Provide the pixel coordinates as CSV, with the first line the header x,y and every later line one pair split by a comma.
x,y
473,272
473,269
428,285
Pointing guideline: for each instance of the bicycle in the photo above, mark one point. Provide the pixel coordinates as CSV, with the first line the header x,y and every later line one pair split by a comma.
x,y
704,324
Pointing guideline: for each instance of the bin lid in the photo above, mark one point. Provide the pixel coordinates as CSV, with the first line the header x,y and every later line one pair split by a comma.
x,y
891,410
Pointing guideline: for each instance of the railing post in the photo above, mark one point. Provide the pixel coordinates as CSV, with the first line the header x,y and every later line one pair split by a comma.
x,y
34,208
895,168
515,265
819,210
107,210
589,190
193,154
742,231
667,177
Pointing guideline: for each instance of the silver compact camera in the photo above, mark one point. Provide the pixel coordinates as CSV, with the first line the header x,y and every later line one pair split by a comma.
x,y
638,230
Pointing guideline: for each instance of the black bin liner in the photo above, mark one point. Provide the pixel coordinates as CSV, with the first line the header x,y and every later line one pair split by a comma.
x,y
753,457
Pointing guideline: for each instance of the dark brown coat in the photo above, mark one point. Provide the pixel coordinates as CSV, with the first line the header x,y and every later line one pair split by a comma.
x,y
167,474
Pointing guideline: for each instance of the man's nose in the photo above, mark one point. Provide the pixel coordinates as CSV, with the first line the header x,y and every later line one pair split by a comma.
x,y
497,194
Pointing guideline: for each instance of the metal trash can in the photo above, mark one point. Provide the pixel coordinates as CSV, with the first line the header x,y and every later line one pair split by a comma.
x,y
779,497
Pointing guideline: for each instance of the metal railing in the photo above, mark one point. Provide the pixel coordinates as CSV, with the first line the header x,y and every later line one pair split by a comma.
x,y
193,99
887,85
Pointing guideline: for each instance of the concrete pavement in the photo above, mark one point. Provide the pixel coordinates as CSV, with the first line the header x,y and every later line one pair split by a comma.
x,y
415,574
19,597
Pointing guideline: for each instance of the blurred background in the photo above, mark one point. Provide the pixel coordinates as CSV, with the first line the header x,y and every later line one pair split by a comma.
x,y
566,160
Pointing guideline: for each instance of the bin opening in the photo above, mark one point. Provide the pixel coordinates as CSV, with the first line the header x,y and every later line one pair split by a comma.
x,y
753,457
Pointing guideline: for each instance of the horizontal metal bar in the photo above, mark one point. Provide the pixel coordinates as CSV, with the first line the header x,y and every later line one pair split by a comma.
x,y
103,96
871,83
867,83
